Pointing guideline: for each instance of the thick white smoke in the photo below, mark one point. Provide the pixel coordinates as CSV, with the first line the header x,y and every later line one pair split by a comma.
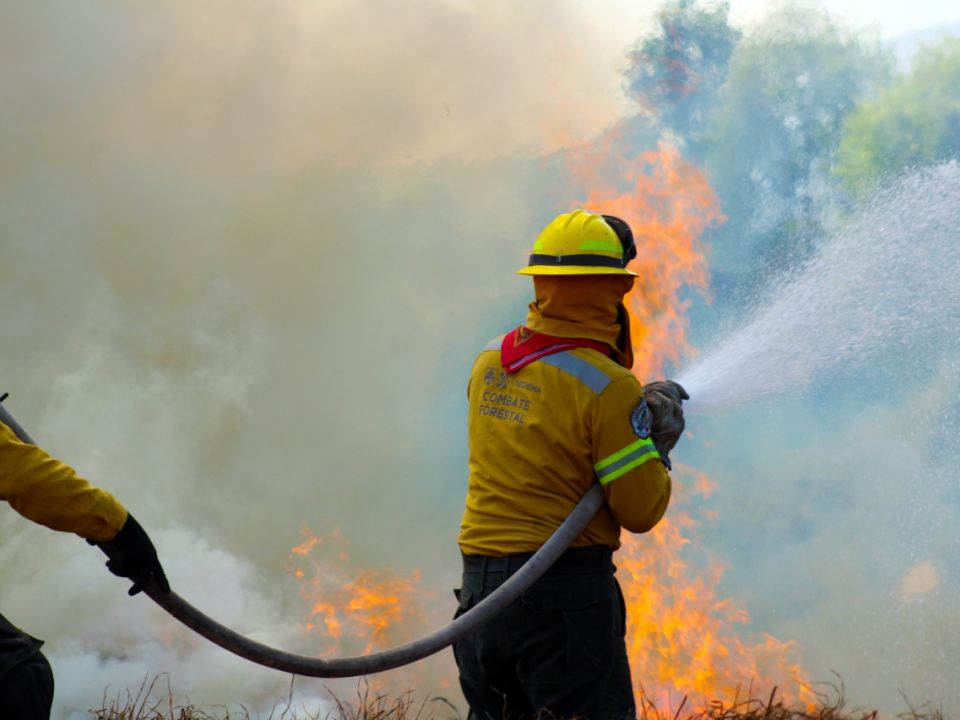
x,y
246,257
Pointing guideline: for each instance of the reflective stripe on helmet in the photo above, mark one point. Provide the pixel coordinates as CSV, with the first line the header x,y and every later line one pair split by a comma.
x,y
604,246
625,460
583,260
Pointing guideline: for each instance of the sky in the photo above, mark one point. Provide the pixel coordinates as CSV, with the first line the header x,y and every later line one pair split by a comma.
x,y
890,18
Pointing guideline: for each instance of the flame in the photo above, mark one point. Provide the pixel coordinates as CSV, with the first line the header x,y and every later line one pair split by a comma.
x,y
351,610
683,640
354,611
668,204
921,579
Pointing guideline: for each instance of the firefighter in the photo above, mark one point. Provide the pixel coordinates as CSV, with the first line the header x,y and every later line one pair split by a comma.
x,y
554,408
50,493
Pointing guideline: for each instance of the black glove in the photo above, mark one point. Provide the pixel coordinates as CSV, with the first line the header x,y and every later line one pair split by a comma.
x,y
665,400
132,555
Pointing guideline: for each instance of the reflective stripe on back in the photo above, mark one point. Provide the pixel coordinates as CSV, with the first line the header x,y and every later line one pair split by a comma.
x,y
591,376
494,344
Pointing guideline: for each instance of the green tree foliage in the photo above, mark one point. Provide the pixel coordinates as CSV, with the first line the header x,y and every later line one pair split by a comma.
x,y
914,122
675,73
771,139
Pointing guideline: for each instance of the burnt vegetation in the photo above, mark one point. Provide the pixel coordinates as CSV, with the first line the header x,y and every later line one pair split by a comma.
x,y
149,704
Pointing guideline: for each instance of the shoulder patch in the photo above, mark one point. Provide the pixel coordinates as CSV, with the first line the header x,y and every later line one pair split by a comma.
x,y
641,420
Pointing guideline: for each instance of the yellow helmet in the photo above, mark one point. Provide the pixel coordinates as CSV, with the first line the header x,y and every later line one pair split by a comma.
x,y
582,243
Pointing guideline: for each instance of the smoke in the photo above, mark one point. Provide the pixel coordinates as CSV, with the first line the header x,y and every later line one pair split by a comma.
x,y
247,256
240,87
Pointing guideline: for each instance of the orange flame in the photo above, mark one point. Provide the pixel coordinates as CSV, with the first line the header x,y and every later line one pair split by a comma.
x,y
683,640
369,612
668,204
356,611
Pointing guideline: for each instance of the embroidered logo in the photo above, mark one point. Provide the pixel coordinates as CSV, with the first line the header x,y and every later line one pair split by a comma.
x,y
641,420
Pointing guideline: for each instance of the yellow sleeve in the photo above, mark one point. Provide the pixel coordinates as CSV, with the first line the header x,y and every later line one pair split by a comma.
x,y
49,492
628,466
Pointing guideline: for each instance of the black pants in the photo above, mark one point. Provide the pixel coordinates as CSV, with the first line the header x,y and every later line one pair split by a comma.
x,y
558,651
26,692
26,681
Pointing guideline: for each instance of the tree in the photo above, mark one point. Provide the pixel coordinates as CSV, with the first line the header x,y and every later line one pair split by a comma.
x,y
676,72
915,122
772,137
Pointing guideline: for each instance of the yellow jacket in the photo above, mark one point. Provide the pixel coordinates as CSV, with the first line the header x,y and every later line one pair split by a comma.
x,y
539,438
47,491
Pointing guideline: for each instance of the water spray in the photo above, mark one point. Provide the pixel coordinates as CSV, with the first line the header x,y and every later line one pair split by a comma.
x,y
883,282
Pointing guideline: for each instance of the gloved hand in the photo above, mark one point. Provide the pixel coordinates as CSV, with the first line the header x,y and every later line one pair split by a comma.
x,y
665,400
132,555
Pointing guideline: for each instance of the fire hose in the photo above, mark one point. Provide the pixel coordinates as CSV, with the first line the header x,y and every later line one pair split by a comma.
x,y
396,657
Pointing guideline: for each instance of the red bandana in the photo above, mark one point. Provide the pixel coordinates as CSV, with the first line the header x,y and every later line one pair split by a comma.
x,y
522,346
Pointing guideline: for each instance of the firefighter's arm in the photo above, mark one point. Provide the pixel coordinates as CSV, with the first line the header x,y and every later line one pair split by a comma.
x,y
50,493
626,462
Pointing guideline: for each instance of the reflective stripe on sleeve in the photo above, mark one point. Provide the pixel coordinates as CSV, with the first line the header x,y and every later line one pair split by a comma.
x,y
625,460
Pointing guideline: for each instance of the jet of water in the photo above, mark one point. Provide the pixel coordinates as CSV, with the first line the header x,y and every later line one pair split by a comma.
x,y
887,281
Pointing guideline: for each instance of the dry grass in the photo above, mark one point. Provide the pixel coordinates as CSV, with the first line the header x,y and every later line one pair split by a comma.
x,y
153,702
143,705
830,705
